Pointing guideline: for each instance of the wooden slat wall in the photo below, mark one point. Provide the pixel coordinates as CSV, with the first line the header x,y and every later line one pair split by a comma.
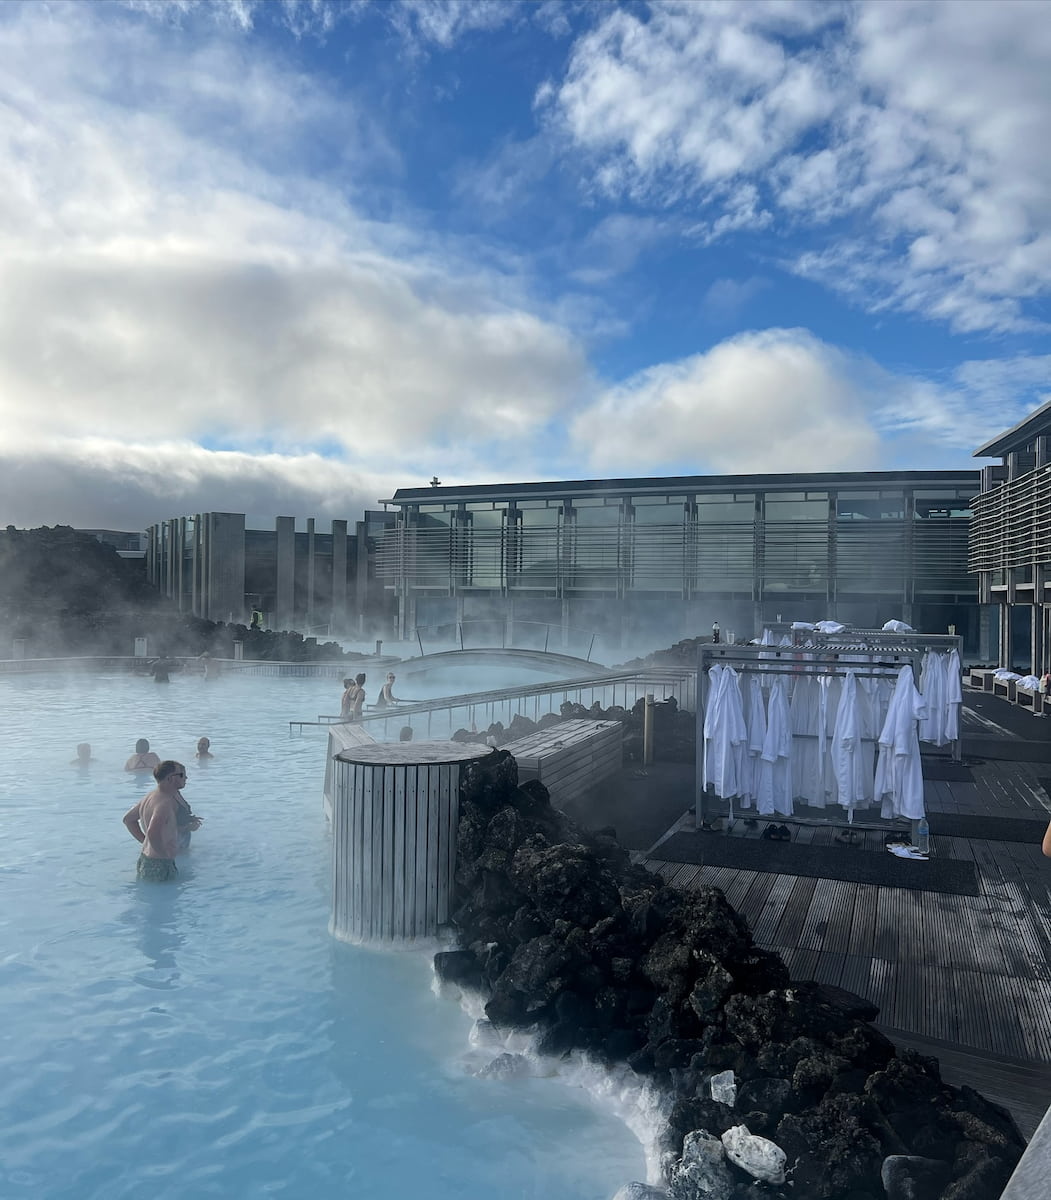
x,y
571,758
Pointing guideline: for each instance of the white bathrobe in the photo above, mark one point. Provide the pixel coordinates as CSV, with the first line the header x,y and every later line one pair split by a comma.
x,y
899,777
725,733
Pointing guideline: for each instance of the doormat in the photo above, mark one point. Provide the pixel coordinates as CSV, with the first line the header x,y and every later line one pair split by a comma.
x,y
823,862
944,770
989,829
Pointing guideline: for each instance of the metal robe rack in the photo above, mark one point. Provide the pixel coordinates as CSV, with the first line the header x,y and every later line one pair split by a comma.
x,y
826,654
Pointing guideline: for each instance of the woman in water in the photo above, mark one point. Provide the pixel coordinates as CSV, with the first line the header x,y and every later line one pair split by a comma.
x,y
143,759
387,696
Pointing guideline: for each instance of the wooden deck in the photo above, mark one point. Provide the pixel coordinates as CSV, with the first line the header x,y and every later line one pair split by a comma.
x,y
964,978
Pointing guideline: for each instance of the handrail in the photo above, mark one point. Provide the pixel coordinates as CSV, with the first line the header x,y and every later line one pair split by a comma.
x,y
675,681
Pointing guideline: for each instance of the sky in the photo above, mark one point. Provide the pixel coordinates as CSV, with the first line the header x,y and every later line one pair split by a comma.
x,y
283,258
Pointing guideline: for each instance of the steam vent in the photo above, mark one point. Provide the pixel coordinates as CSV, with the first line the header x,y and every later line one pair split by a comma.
x,y
394,816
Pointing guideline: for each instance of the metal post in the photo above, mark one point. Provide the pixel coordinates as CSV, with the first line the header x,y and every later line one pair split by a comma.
x,y
647,730
419,639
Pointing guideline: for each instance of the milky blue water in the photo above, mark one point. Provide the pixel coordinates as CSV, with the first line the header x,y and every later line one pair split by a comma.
x,y
208,1037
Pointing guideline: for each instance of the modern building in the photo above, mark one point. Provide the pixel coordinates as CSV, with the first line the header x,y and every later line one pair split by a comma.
x,y
297,573
1010,542
645,562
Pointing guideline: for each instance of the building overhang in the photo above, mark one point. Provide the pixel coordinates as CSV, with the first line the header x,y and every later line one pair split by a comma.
x,y
795,481
1018,436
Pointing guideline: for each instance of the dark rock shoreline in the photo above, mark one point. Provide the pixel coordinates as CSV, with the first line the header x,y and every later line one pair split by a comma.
x,y
563,936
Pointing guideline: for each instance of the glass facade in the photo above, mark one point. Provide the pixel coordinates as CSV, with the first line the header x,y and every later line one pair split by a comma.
x,y
857,547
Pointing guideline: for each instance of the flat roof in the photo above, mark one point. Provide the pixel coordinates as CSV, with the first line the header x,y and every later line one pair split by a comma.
x,y
1019,435
794,481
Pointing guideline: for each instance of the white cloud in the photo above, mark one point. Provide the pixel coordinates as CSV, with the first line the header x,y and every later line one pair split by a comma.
x,y
781,400
166,284
111,484
773,401
922,124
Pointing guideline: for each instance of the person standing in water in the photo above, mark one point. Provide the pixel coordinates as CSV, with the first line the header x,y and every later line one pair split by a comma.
x,y
353,698
143,759
387,696
161,668
161,822
204,748
83,758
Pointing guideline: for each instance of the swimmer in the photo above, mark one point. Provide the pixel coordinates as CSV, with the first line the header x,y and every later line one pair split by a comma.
x,y
162,822
143,759
83,755
346,704
405,734
386,696
161,668
204,748
354,698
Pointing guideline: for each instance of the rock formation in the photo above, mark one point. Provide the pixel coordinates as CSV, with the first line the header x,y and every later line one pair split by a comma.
x,y
563,936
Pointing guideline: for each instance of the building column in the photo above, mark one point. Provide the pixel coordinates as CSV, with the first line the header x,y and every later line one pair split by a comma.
x,y
1036,639
361,575
1003,613
985,634
311,616
338,615
285,588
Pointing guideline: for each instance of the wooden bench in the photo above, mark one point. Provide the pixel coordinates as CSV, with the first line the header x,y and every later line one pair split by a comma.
x,y
570,758
1029,697
981,678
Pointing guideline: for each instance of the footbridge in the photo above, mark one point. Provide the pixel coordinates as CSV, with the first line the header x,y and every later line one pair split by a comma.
x,y
547,662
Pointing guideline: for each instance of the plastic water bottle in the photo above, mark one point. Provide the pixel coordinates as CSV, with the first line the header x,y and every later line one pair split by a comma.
x,y
923,836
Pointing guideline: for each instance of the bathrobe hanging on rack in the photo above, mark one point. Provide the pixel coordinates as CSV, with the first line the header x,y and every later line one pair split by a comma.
x,y
934,686
899,778
725,733
953,696
852,780
756,720
775,774
810,721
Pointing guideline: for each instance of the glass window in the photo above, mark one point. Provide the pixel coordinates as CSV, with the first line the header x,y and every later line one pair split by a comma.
x,y
658,544
870,506
537,547
717,509
942,507
595,547
780,509
484,546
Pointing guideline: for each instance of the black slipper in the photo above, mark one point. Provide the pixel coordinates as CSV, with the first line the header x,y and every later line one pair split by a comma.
x,y
770,833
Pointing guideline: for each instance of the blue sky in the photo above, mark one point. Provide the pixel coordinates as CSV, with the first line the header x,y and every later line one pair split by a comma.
x,y
286,257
